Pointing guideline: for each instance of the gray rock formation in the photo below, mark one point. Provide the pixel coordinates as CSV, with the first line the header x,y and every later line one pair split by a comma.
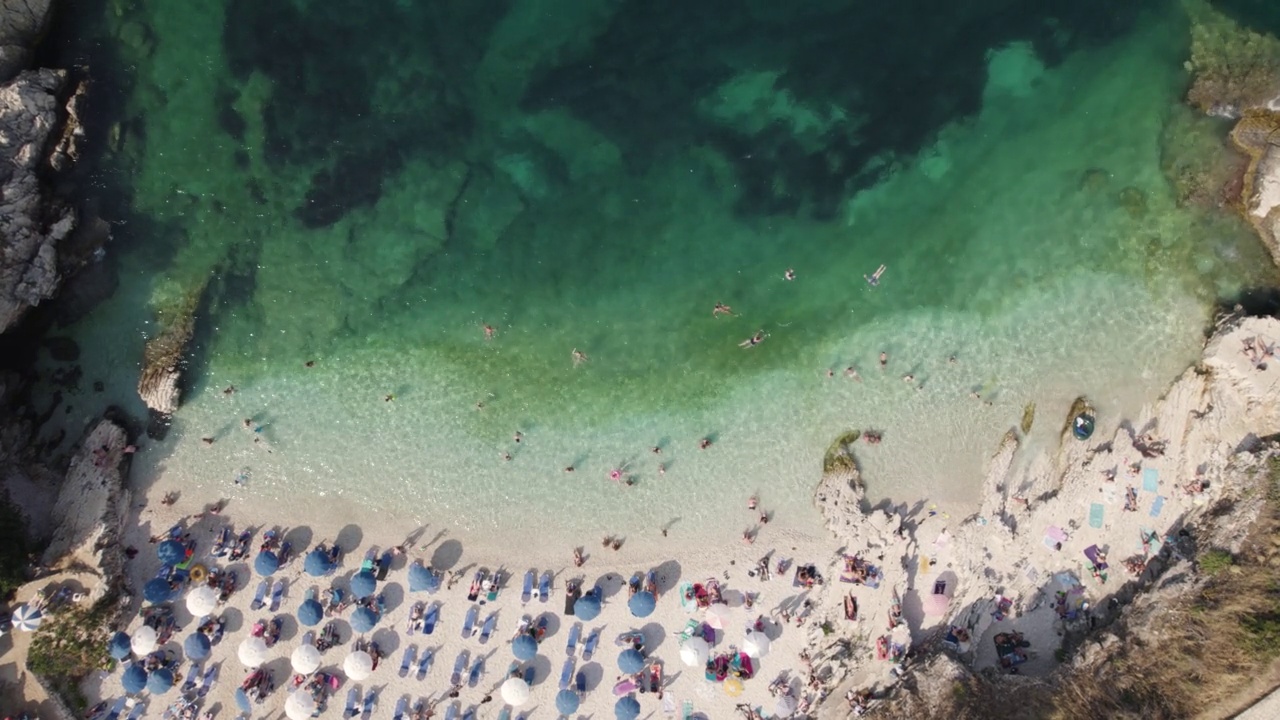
x,y
30,229
22,23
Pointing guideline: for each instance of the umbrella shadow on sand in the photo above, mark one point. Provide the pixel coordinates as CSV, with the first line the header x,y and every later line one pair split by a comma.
x,y
349,538
233,619
553,624
299,539
654,636
669,574
610,584
541,669
593,673
388,641
446,555
393,595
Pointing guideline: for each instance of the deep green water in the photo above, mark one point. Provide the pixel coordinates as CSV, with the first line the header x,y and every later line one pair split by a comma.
x,y
367,185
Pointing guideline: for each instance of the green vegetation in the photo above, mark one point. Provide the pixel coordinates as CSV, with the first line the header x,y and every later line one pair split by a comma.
x,y
13,547
1213,562
71,644
1028,417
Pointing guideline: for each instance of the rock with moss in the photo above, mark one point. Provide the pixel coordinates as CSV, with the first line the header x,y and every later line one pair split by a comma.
x,y
1233,68
1257,135
163,356
839,456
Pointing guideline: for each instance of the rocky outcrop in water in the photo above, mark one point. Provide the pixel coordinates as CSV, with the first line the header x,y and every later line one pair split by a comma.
x,y
164,354
30,225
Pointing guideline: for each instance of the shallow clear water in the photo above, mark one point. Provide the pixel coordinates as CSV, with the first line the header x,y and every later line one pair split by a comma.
x,y
1034,238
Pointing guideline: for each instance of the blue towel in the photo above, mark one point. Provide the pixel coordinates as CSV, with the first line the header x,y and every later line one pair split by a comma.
x,y
1157,506
1095,515
1150,479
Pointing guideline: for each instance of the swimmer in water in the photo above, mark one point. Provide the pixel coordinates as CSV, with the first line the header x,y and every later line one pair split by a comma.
x,y
489,332
721,309
884,359
790,274
852,372
874,279
754,340
579,357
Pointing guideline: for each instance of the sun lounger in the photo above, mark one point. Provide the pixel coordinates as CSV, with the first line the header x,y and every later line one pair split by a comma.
x,y
566,674
477,669
193,676
505,713
1151,480
580,682
469,626
135,712
407,660
487,631
277,592
210,676
544,586
116,709
401,705
589,647
384,565
458,666
258,595
1095,515
451,712
424,663
1157,506
429,622
370,699
470,713
686,710
526,591
353,697
574,633
528,674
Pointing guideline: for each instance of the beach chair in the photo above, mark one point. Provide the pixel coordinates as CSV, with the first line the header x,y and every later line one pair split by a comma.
x,y
528,674
589,647
407,660
210,677
136,708
277,592
424,663
470,714
544,586
686,710
574,633
692,628
193,677
469,626
258,596
353,697
116,709
477,670
369,556
451,713
370,699
401,705
459,665
489,624
526,591
433,616
566,674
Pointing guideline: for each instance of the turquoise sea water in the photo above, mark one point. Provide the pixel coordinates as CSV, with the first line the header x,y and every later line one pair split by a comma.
x,y
366,191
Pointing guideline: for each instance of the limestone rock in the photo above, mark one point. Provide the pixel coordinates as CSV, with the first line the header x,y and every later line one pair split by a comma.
x,y
92,507
30,229
1257,135
163,355
22,22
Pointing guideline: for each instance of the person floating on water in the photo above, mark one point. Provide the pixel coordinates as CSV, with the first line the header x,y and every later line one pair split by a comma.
x,y
579,357
874,279
754,340
721,309
790,274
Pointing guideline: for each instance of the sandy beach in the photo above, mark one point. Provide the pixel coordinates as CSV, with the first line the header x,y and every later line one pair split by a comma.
x,y
1052,537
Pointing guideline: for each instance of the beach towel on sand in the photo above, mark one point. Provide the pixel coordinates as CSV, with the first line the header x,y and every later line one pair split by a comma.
x,y
1091,552
1157,506
1054,535
1095,515
1150,479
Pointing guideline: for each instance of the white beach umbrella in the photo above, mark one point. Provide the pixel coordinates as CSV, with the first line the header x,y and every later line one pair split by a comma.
x,y
253,652
515,691
27,618
305,659
756,644
300,705
143,640
202,601
358,665
695,652
718,615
